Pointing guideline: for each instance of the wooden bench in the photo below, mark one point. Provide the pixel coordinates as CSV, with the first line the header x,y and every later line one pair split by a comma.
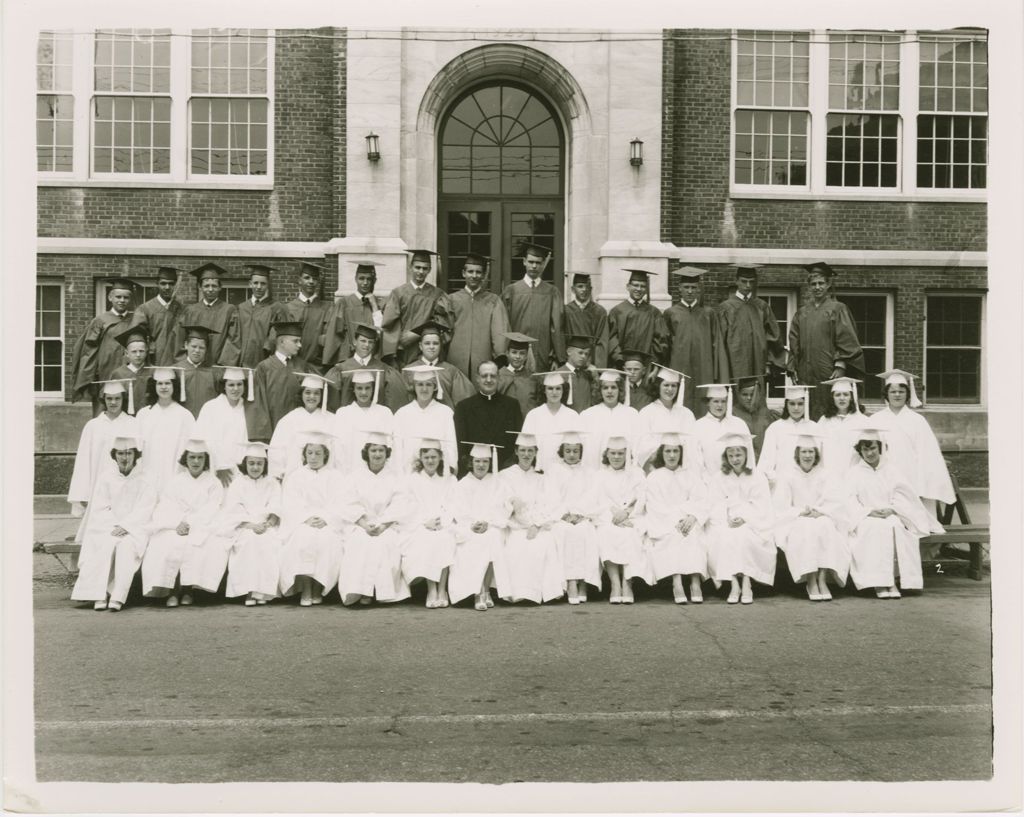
x,y
69,549
965,533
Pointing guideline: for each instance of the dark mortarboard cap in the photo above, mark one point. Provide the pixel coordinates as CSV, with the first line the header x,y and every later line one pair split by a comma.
x,y
477,259
579,341
634,354
260,269
316,270
366,330
517,340
689,273
131,335
820,267
747,270
749,380
209,270
363,265
167,273
580,276
638,274
533,248
435,326
288,327
422,255
120,282
199,330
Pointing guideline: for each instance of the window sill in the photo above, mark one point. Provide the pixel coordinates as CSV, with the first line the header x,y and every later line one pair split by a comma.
x,y
806,195
158,184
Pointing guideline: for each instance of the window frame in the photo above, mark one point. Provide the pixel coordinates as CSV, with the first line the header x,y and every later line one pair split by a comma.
x,y
100,301
981,402
890,327
818,111
83,95
59,394
792,296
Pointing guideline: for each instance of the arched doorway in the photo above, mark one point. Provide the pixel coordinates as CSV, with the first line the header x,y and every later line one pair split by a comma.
x,y
501,182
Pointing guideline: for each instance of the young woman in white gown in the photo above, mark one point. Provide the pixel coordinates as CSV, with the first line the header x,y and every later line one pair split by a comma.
x,y
665,413
620,489
777,449
843,417
609,418
311,415
550,418
163,425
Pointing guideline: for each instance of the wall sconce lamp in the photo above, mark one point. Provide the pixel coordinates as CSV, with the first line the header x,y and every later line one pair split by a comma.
x,y
372,147
636,152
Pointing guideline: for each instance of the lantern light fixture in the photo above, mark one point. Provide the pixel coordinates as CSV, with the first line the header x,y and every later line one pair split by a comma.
x,y
372,147
636,152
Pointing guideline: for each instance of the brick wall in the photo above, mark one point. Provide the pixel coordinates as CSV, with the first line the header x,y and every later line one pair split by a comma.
x,y
697,210
308,115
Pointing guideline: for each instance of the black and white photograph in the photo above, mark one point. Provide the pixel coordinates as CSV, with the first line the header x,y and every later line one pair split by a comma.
x,y
521,396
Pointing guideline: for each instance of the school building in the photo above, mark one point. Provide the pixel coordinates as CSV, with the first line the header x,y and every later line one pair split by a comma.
x,y
864,149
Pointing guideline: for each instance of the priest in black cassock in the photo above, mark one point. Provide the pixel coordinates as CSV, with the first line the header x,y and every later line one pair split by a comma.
x,y
276,390
486,417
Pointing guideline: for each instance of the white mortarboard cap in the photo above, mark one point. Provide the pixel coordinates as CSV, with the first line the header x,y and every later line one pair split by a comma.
x,y
719,390
240,373
422,372
111,386
901,377
844,384
315,381
378,438
251,449
484,450
795,392
674,437
673,376
572,436
315,437
869,432
807,437
429,442
552,378
616,442
126,441
610,375
735,438
168,373
196,446
367,376
524,438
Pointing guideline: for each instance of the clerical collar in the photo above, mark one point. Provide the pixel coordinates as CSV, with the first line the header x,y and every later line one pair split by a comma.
x,y
163,303
282,357
362,361
306,300
486,396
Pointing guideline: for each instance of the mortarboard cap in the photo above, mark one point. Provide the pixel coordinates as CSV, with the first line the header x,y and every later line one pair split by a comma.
x,y
162,373
111,386
313,269
315,437
718,391
288,327
843,384
135,333
366,376
517,340
363,265
673,437
638,274
610,375
525,439
635,354
795,392
616,442
431,327
209,270
196,445
378,438
167,273
692,274
477,259
552,378
120,282
673,376
123,441
199,330
747,270
479,451
260,269
239,373
901,377
580,276
580,341
735,439
251,449
422,255
807,438
533,248
315,381
572,436
822,268
423,372
366,330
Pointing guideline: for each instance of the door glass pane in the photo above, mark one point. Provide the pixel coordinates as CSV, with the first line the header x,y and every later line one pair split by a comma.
x,y
468,231
532,227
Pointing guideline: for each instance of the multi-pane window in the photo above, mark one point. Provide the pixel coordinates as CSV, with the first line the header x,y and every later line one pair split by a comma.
x,y
772,121
229,106
849,112
55,104
952,137
467,232
953,331
872,317
531,228
49,359
783,306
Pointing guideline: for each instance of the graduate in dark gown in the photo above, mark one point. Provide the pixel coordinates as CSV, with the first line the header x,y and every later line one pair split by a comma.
x,y
695,339
823,342
97,352
751,408
411,304
480,319
453,385
583,316
392,390
359,307
198,383
160,317
256,314
636,323
636,366
277,390
310,311
750,332
582,387
214,312
486,417
515,377
133,372
535,308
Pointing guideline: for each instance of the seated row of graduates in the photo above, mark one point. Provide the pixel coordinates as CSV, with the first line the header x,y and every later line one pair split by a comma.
x,y
531,534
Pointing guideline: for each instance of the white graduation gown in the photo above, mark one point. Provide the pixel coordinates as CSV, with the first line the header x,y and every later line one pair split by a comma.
x,y
601,423
223,427
476,500
253,558
837,453
547,426
413,423
426,553
93,456
309,551
570,489
163,432
779,445
655,418
372,565
625,488
811,543
877,543
195,501
107,563
286,446
530,568
708,430
747,549
352,424
671,496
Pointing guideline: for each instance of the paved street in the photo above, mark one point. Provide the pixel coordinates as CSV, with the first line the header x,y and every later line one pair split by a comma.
x,y
856,689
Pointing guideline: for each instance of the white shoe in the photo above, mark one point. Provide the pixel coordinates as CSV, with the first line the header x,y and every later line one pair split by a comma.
x,y
615,599
250,602
574,600
305,602
186,600
114,606
172,601
100,605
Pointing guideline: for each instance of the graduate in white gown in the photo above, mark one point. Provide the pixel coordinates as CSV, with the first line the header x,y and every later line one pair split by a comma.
x,y
570,487
428,542
311,416
181,528
371,560
740,542
423,418
886,520
163,426
718,420
843,418
221,421
548,420
810,527
620,487
530,569
676,512
912,445
609,418
250,527
481,520
314,512
117,534
666,412
777,448
353,422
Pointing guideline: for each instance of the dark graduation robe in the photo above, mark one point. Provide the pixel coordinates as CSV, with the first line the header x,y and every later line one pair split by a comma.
x,y
695,349
394,392
820,337
480,419
276,391
586,391
224,346
592,321
640,396
751,337
254,322
640,327
757,422
481,322
161,323
200,386
96,354
521,385
405,309
345,315
313,317
138,383
537,312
